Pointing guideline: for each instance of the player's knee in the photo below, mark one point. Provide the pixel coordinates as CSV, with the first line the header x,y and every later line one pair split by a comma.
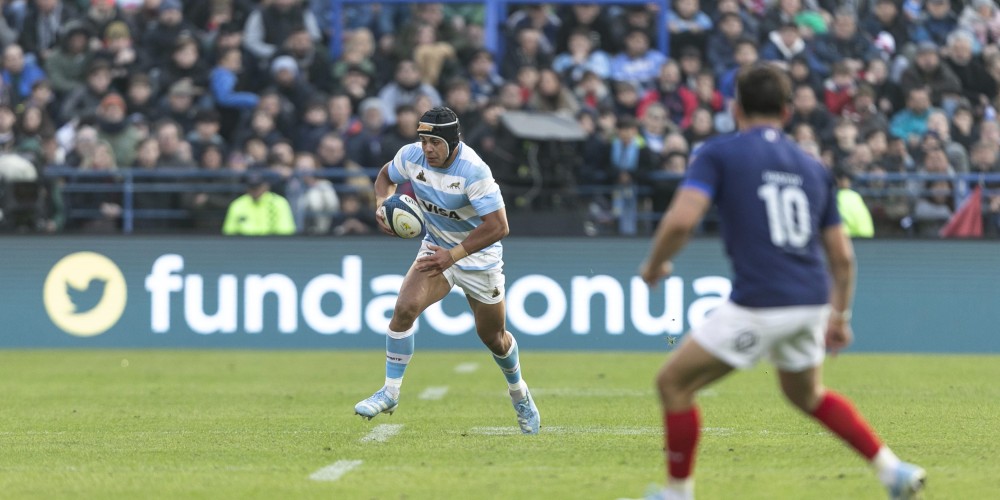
x,y
804,398
667,386
405,313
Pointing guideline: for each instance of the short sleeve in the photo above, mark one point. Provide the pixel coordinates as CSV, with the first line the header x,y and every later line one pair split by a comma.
x,y
398,173
484,195
703,174
830,215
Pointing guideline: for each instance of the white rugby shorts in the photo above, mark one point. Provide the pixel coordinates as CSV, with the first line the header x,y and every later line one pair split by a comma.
x,y
486,286
793,338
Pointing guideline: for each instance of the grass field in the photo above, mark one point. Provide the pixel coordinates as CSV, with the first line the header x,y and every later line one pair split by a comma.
x,y
225,424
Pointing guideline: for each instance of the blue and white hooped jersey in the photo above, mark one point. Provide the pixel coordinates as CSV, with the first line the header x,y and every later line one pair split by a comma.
x,y
454,199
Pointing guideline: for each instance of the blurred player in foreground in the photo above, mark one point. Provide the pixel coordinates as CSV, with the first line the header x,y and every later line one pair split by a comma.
x,y
779,209
466,220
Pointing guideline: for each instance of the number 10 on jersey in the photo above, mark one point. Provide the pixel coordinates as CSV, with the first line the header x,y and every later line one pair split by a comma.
x,y
787,214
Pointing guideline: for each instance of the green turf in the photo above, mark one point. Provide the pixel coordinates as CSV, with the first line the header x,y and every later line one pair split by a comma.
x,y
223,424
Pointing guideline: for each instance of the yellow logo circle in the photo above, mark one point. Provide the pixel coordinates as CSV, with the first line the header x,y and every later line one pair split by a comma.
x,y
85,294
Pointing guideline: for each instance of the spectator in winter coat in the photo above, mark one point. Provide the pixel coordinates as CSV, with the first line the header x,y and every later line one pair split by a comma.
x,y
405,88
160,39
845,43
928,71
271,24
20,72
66,66
43,26
638,63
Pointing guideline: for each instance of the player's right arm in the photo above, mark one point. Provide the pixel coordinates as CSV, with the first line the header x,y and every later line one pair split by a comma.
x,y
688,207
384,188
840,256
675,228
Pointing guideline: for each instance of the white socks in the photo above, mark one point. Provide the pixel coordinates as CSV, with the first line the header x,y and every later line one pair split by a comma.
x,y
885,464
392,386
679,489
517,391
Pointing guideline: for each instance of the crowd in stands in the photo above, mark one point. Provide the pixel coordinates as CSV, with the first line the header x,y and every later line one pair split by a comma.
x,y
882,88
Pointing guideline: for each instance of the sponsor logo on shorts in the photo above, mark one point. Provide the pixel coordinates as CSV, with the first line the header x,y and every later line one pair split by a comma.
x,y
496,292
745,341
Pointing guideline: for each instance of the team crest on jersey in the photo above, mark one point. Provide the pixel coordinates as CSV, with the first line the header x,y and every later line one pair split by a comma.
x,y
443,212
420,176
455,185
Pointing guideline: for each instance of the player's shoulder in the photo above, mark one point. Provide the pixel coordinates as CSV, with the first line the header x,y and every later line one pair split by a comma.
x,y
722,144
714,147
411,151
471,165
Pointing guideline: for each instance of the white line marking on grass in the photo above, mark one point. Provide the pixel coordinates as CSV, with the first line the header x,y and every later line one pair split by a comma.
x,y
466,367
382,432
717,431
433,393
615,431
335,470
582,392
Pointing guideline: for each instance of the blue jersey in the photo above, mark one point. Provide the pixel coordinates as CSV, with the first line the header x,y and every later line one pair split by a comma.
x,y
453,199
774,200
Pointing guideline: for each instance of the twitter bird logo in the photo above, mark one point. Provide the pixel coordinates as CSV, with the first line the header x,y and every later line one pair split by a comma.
x,y
87,298
85,294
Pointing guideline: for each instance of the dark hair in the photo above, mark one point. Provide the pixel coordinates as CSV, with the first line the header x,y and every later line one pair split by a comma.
x,y
206,116
405,108
745,41
763,90
841,172
626,122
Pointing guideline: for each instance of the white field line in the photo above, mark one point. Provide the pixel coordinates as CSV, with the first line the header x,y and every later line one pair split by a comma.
x,y
577,392
382,432
607,431
617,431
335,470
433,393
164,432
466,367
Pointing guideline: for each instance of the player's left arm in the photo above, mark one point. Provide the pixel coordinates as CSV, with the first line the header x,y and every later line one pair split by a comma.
x,y
840,258
493,229
673,232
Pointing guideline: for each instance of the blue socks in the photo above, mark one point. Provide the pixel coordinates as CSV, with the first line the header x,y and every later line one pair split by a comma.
x,y
398,351
511,368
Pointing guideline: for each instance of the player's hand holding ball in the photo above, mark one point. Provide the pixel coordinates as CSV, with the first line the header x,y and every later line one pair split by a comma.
x,y
399,215
380,218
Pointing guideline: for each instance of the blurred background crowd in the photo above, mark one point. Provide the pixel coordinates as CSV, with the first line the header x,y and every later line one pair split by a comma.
x,y
155,115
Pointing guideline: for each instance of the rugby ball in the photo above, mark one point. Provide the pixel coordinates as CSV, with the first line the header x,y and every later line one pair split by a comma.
x,y
403,215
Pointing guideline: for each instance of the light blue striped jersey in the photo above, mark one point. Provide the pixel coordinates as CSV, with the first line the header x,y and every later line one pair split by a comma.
x,y
454,199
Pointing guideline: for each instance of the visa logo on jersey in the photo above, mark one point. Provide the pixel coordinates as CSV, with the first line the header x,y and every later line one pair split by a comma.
x,y
434,209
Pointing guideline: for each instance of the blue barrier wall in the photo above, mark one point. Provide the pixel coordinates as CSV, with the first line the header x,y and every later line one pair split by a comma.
x,y
180,292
